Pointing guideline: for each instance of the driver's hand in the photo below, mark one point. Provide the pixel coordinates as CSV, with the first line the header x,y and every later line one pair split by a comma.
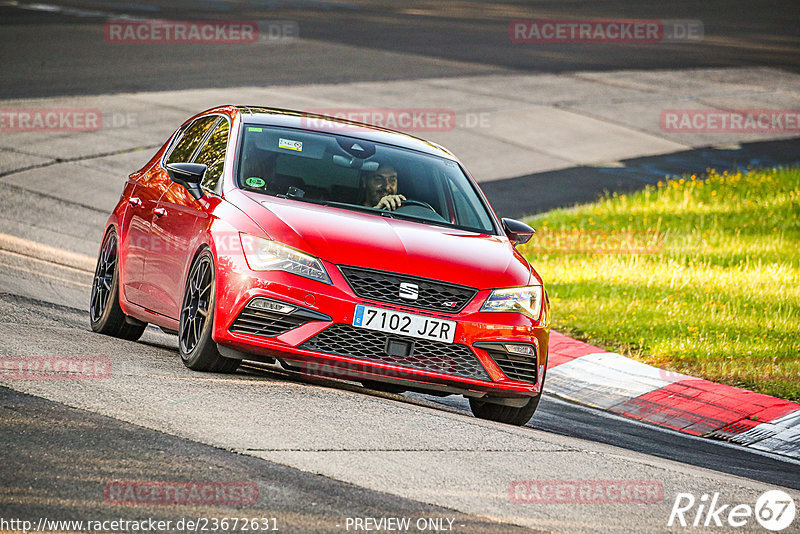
x,y
390,202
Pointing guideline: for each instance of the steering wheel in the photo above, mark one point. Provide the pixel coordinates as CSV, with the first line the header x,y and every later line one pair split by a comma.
x,y
419,203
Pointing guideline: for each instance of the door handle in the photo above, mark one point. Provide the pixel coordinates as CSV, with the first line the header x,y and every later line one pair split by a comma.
x,y
135,201
159,212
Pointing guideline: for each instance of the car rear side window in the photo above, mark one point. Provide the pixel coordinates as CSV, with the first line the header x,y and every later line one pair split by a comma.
x,y
212,155
191,138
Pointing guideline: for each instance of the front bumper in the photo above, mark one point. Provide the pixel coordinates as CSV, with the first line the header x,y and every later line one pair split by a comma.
x,y
318,338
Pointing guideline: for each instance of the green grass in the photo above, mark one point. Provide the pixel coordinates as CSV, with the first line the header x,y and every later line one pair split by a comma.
x,y
700,276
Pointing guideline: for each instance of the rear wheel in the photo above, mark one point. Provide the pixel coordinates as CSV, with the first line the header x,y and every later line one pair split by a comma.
x,y
198,350
105,313
504,414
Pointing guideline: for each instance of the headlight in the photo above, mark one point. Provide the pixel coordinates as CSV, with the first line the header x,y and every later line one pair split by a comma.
x,y
527,300
268,255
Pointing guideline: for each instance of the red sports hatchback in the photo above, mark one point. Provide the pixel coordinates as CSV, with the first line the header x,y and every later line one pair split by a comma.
x,y
335,248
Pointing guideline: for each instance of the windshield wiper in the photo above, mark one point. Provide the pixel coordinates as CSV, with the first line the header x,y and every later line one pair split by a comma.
x,y
356,207
413,218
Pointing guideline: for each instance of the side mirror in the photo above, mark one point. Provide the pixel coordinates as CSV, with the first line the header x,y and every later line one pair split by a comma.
x,y
189,175
518,232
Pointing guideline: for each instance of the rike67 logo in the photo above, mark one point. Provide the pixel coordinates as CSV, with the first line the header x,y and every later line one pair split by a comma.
x,y
774,510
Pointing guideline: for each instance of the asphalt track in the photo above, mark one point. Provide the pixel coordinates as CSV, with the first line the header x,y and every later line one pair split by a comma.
x,y
47,52
94,450
375,454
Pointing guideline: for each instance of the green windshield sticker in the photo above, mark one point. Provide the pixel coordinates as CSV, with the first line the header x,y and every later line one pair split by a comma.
x,y
254,129
255,181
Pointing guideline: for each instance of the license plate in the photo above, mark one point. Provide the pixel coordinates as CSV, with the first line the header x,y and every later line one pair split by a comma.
x,y
404,324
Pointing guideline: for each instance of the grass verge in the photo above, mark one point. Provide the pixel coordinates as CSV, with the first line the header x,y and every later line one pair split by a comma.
x,y
699,276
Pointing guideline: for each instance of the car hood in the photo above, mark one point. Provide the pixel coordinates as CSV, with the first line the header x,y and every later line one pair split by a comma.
x,y
346,237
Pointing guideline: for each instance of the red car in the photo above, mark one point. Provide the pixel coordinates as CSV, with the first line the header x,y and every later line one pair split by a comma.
x,y
331,247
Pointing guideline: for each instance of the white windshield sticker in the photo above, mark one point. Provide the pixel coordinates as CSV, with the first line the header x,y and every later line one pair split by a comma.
x,y
289,144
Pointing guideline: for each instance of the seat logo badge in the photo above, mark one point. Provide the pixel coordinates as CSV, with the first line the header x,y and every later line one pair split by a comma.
x,y
409,291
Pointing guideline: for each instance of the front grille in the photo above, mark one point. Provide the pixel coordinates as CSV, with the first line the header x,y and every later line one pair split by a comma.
x,y
385,287
447,358
514,366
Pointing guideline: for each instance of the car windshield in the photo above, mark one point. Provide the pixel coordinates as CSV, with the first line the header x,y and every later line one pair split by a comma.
x,y
352,173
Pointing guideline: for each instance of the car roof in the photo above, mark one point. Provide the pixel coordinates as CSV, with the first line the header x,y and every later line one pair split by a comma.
x,y
288,118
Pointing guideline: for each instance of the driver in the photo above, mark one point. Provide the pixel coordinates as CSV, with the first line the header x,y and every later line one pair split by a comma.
x,y
381,188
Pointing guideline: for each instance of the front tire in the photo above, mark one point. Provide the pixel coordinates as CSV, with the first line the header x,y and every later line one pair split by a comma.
x,y
105,314
509,415
197,349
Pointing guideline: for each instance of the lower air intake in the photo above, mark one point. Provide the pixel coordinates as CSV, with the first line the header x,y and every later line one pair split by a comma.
x,y
446,358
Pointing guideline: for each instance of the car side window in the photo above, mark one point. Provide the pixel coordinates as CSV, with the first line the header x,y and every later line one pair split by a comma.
x,y
191,139
212,155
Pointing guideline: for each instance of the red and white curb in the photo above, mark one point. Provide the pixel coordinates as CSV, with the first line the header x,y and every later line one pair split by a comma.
x,y
589,375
